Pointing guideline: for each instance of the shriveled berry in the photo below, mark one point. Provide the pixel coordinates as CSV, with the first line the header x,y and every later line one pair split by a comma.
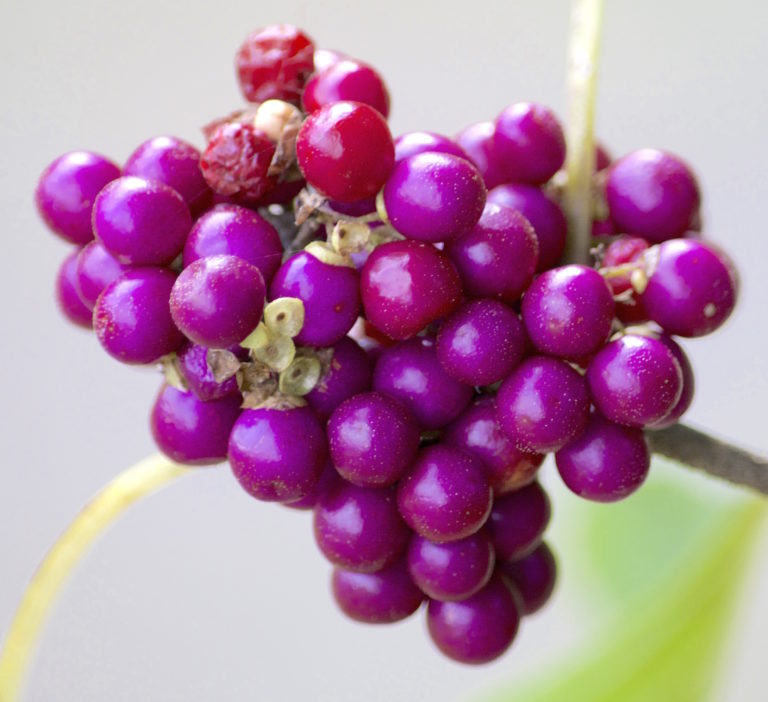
x,y
518,520
347,80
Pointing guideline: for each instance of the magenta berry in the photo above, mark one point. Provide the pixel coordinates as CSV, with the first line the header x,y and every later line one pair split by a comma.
x,y
406,285
194,368
445,495
218,301
689,385
191,431
345,151
412,143
67,190
328,478
518,520
346,80
70,302
96,268
568,311
498,257
454,570
533,578
481,342
477,141
268,461
373,439
478,629
543,404
607,462
411,373
360,528
132,317
434,196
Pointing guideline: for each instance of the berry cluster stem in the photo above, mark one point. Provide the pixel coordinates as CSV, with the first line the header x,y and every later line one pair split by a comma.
x,y
136,482
583,55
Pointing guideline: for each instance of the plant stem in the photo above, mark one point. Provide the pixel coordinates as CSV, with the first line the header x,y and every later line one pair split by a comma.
x,y
583,54
136,482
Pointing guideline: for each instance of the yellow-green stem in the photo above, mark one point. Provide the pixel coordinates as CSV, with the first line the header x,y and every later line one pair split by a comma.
x,y
136,482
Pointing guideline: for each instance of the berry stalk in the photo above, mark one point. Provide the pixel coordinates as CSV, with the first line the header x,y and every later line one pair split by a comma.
x,y
136,482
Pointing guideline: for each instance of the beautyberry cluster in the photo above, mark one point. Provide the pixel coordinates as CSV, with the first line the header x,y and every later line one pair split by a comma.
x,y
384,331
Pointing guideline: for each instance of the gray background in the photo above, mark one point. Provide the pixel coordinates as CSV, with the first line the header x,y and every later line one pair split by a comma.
x,y
192,596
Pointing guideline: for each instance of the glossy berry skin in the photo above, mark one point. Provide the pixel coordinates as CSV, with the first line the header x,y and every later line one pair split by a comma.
x,y
328,478
568,311
132,318
529,143
345,151
359,528
411,373
384,597
218,301
191,431
193,365
346,80
275,63
544,214
454,570
66,192
95,269
481,342
478,629
266,458
412,143
236,162
236,231
692,288
177,164
330,293
689,385
533,578
372,439
518,520
608,462
652,194
445,495
70,302
406,285
635,380
434,196
348,373
498,257
543,404
325,58
477,431
141,222
477,141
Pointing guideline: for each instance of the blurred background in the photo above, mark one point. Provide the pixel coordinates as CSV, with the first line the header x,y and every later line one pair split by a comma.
x,y
201,593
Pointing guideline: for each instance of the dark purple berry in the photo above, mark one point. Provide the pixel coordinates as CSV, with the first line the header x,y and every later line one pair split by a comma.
x,y
518,521
477,140
689,384
96,268
533,578
194,368
70,303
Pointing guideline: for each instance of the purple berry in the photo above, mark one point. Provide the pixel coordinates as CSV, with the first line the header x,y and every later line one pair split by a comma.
x,y
177,164
478,629
608,462
141,222
193,365
411,373
477,140
406,285
377,598
518,521
96,268
373,439
269,461
218,301
481,342
412,143
434,196
635,380
497,258
346,80
191,431
330,293
132,318
236,231
445,495
529,143
359,208
692,287
543,404
70,303
652,194
67,189
544,214
451,571
360,528
568,311
328,479
533,578
477,431
689,384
